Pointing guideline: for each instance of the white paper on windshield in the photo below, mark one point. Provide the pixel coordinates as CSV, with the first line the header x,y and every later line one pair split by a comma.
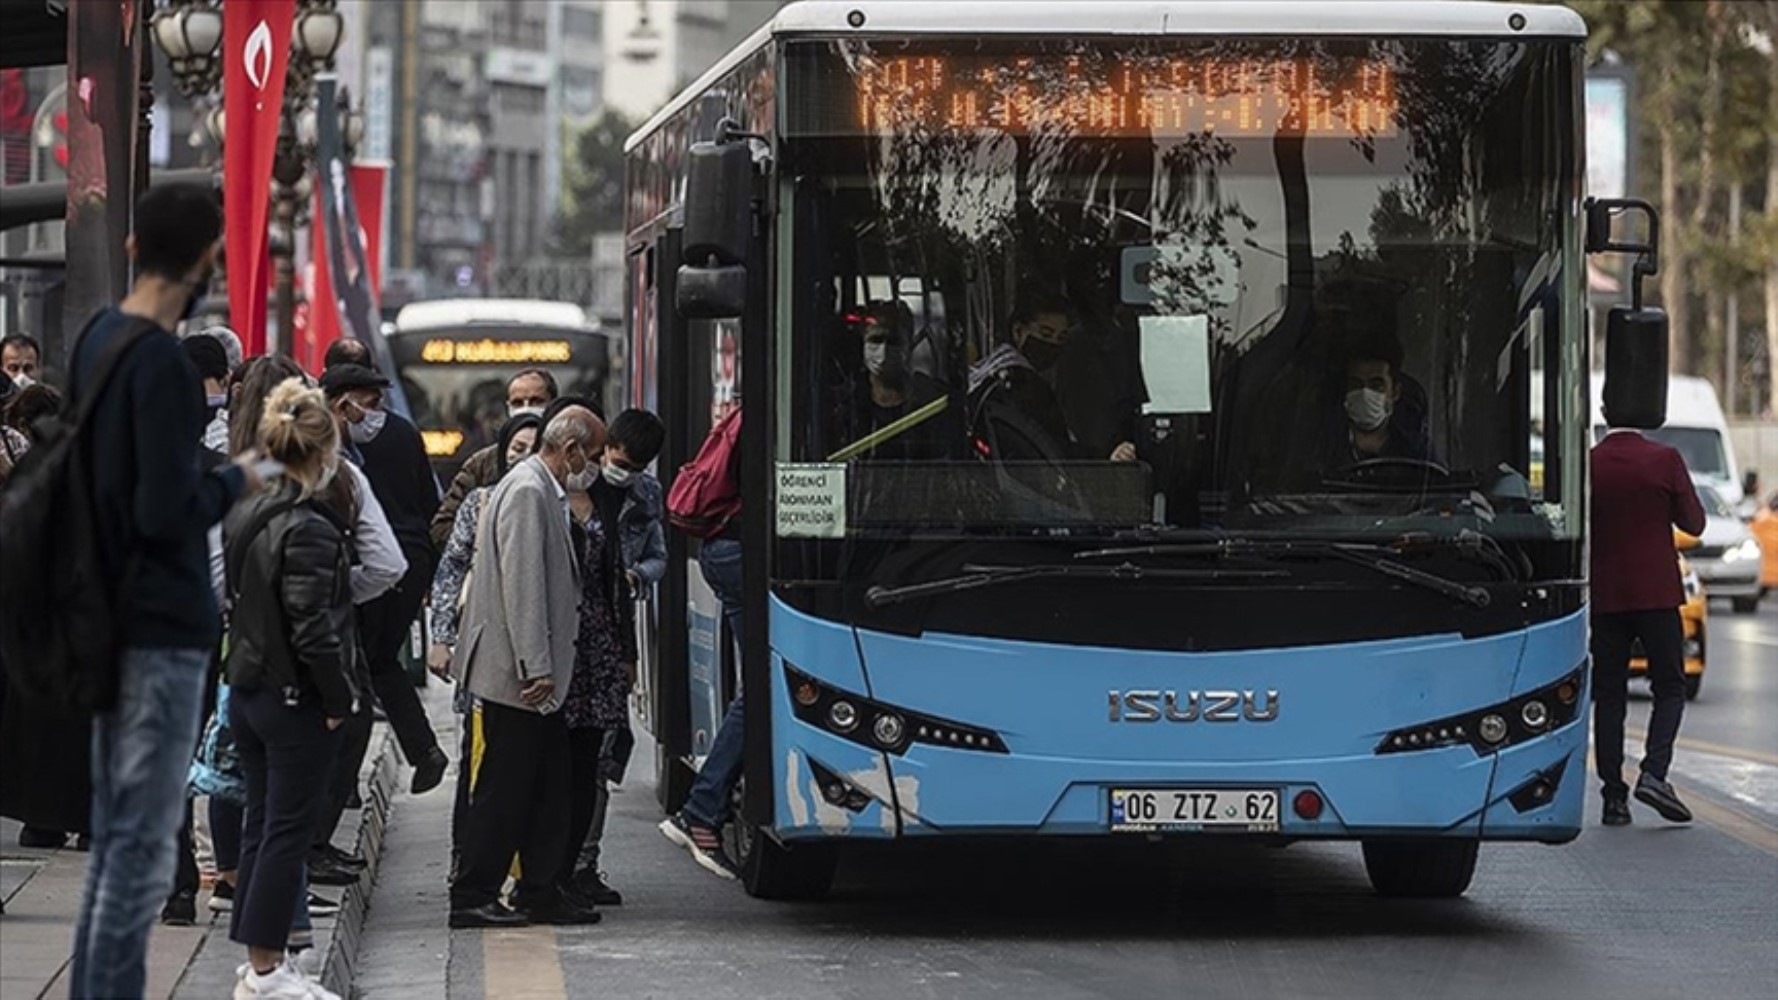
x,y
1176,363
811,500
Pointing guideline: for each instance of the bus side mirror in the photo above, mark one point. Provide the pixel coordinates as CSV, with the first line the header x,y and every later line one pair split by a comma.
x,y
1635,390
718,230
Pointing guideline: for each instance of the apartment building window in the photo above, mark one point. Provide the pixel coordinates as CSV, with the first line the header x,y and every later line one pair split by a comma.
x,y
582,24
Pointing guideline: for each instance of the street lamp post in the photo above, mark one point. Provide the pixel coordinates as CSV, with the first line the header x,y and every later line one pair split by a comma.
x,y
190,32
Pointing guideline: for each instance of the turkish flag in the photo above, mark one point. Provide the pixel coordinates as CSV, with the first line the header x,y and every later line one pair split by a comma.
x,y
256,48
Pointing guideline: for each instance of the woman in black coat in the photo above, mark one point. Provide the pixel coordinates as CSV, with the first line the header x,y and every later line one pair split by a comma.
x,y
291,674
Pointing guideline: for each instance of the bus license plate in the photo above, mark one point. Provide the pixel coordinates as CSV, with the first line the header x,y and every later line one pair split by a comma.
x,y
1151,810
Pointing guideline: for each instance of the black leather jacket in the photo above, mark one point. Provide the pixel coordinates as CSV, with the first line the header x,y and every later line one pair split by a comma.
x,y
291,624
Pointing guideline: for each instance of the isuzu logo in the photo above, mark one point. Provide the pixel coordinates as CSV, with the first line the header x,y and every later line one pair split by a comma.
x,y
1193,706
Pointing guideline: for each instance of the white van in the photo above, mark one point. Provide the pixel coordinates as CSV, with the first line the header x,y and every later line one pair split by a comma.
x,y
1695,425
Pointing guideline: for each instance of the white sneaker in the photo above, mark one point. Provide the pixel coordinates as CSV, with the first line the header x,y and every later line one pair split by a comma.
x,y
282,983
316,990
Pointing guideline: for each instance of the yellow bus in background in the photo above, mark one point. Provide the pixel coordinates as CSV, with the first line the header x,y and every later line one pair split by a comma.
x,y
455,356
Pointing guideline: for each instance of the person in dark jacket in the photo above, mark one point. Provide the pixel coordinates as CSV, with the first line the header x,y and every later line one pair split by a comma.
x,y
1641,492
290,670
530,391
390,452
153,507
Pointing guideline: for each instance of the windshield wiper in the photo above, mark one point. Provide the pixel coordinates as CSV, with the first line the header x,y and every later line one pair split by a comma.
x,y
975,577
1373,557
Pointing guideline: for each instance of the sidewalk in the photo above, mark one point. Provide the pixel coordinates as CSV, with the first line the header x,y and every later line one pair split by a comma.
x,y
42,891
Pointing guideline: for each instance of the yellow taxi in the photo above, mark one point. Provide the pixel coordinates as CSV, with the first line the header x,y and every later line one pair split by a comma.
x,y
1693,615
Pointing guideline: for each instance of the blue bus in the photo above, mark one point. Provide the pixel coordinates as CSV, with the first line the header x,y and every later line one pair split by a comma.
x,y
1140,434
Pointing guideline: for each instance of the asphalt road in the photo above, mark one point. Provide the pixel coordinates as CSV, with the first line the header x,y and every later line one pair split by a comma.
x,y
1651,911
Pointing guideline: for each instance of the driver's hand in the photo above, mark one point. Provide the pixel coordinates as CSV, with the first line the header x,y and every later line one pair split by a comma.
x,y
1125,452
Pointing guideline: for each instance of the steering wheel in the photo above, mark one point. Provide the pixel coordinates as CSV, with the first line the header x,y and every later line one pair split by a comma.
x,y
1391,468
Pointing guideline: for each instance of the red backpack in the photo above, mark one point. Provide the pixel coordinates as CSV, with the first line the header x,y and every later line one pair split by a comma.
x,y
705,494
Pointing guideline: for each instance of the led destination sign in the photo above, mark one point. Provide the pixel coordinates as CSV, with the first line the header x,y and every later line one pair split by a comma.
x,y
1129,95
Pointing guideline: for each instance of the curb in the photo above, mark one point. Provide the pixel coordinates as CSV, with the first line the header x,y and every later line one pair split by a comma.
x,y
339,958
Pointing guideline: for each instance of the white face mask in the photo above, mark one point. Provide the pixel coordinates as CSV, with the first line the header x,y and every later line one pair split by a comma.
x,y
217,401
580,482
885,361
367,429
22,381
618,477
1368,409
524,411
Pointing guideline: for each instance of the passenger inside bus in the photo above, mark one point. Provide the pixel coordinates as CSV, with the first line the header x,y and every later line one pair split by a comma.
x,y
1014,405
886,410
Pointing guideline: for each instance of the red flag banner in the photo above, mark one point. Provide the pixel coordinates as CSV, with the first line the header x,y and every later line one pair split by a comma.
x,y
324,313
369,181
256,48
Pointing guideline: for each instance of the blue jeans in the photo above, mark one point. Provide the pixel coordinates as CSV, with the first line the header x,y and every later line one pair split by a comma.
x,y
141,751
708,804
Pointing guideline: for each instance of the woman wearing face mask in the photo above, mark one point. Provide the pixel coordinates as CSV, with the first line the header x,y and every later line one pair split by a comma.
x,y
450,585
292,676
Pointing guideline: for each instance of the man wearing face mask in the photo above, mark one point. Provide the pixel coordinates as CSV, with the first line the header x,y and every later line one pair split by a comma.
x,y
888,389
529,391
1021,374
20,358
393,458
1378,423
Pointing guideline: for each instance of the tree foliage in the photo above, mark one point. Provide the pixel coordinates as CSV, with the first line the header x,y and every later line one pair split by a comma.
x,y
594,193
1706,113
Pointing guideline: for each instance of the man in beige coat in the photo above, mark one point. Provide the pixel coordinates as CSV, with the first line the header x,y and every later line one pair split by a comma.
x,y
516,656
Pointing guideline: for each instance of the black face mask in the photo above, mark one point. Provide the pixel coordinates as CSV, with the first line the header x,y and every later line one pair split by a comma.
x,y
1042,354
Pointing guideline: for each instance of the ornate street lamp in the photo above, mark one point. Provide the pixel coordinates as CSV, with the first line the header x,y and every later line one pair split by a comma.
x,y
190,33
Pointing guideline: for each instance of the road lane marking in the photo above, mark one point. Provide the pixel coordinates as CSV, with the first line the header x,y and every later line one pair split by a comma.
x,y
522,964
1733,822
1702,746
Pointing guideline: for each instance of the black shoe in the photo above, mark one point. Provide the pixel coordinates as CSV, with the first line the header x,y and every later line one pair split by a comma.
x,y
591,886
320,906
181,910
566,911
350,862
38,838
1617,812
222,897
324,870
1659,796
430,771
491,915
354,800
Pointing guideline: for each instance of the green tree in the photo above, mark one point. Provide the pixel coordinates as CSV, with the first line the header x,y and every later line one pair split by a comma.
x,y
593,196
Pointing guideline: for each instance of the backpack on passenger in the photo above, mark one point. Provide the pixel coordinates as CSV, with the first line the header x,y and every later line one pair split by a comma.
x,y
706,495
59,629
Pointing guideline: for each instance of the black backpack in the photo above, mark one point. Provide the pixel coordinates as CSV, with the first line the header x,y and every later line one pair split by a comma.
x,y
58,615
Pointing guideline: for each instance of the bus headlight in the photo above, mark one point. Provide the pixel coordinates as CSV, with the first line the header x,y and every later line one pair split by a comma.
x,y
1496,727
1492,728
878,726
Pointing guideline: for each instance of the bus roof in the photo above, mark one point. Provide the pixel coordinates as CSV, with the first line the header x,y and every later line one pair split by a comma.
x,y
1293,18
456,313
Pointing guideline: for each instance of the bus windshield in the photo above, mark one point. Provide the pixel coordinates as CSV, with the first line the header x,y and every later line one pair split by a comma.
x,y
1064,287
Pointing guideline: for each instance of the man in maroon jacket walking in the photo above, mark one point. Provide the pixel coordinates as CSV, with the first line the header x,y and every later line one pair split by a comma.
x,y
1641,491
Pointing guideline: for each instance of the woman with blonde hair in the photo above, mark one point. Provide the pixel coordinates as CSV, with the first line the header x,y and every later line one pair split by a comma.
x,y
291,670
